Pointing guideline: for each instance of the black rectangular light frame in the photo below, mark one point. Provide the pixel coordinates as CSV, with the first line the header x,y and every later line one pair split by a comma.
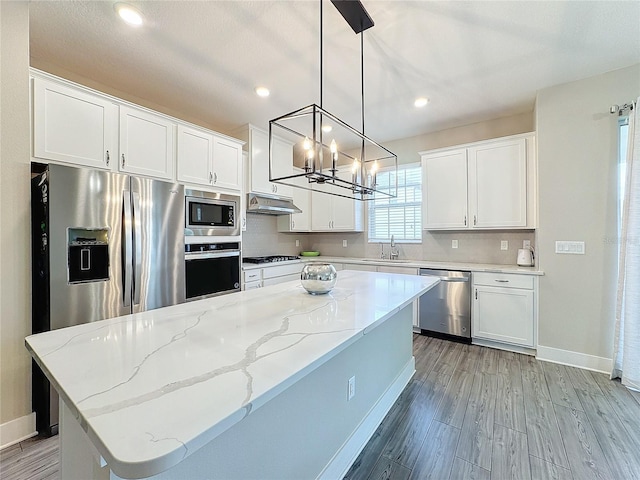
x,y
354,13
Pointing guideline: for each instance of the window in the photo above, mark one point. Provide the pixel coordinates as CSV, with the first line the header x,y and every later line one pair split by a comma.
x,y
400,216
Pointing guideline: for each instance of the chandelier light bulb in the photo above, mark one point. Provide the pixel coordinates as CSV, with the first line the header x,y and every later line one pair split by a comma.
x,y
333,147
306,144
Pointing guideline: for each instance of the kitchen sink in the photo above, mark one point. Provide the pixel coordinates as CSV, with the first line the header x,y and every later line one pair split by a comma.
x,y
384,260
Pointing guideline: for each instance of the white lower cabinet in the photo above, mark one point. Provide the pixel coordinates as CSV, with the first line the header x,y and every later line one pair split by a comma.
x,y
271,275
504,308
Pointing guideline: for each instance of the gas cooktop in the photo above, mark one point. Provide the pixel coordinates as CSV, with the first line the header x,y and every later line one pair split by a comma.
x,y
272,258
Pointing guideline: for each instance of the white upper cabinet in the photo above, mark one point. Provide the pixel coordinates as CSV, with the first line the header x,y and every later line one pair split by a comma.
x,y
208,160
73,126
258,174
444,181
498,184
331,213
484,185
298,222
195,152
146,143
227,163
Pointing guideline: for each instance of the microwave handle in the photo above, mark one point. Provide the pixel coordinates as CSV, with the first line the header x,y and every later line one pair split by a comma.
x,y
197,255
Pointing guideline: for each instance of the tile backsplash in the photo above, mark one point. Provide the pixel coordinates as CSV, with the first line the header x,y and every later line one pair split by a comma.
x,y
262,238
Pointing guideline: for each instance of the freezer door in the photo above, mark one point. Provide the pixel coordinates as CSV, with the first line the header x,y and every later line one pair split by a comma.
x,y
85,203
158,244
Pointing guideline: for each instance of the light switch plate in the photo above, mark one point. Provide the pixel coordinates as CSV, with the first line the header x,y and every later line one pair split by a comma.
x,y
297,243
344,243
504,245
570,248
454,243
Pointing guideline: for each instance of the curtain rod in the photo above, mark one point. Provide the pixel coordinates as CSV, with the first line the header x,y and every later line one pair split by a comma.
x,y
620,109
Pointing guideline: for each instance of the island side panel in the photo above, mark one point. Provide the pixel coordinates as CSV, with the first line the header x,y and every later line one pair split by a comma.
x,y
306,429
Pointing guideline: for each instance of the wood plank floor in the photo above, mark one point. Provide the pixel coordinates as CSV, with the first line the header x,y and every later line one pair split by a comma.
x,y
471,413
503,416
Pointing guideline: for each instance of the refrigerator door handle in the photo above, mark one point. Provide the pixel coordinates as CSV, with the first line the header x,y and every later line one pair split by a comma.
x,y
137,254
127,247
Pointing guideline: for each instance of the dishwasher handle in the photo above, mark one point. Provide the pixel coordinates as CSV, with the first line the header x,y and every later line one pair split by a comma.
x,y
449,279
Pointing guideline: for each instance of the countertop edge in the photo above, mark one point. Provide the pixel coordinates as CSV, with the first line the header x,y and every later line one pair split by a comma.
x,y
472,267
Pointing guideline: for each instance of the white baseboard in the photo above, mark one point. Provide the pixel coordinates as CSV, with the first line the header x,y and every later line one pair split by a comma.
x,y
575,359
342,461
17,430
503,346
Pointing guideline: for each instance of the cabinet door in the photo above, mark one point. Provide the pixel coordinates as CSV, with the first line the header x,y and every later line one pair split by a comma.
x,y
227,164
74,126
282,166
297,222
195,149
321,210
498,184
504,315
346,213
444,186
146,143
260,162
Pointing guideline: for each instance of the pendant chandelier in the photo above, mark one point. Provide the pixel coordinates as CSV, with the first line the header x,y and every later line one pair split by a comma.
x,y
331,156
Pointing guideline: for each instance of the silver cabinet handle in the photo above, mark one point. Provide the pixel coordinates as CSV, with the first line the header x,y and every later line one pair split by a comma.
x,y
215,178
475,220
123,160
107,158
476,293
210,177
502,281
244,222
293,224
465,220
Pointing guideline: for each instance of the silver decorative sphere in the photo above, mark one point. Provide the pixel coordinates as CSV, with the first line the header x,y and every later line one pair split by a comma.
x,y
318,278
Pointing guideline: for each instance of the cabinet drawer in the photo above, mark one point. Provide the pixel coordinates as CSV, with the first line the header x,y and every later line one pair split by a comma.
x,y
505,280
281,270
252,285
285,278
252,275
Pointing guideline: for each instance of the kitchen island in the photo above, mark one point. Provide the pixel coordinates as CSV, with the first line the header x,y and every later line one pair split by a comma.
x,y
254,384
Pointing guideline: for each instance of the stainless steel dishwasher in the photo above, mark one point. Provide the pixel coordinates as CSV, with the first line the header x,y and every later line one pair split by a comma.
x,y
445,310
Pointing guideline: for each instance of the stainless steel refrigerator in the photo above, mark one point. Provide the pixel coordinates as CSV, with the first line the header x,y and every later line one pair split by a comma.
x,y
104,245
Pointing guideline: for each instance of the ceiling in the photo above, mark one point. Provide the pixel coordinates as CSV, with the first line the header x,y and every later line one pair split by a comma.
x,y
474,60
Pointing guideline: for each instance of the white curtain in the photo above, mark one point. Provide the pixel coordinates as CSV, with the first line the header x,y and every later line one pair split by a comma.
x,y
626,355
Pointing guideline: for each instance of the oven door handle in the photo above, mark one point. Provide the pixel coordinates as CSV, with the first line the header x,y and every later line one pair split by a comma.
x,y
204,256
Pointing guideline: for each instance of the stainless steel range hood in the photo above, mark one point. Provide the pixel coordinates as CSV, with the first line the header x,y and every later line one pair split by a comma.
x,y
270,206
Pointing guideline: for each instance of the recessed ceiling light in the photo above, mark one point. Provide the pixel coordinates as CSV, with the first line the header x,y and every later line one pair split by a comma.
x,y
129,14
421,102
327,128
262,91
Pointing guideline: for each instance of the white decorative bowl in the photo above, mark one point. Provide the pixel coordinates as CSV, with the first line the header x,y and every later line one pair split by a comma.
x,y
318,278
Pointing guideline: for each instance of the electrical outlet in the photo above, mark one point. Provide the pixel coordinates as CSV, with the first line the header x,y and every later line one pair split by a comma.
x,y
504,245
351,387
297,243
454,243
344,243
526,244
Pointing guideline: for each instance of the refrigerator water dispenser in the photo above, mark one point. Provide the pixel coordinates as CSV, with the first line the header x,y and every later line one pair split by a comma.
x,y
88,254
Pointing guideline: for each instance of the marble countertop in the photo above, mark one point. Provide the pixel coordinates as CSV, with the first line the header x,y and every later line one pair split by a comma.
x,y
464,266
151,388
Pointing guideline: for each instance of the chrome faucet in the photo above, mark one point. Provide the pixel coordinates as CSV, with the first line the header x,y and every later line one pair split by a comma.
x,y
394,250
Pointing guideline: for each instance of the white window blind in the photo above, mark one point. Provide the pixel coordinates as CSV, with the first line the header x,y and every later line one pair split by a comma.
x,y
400,216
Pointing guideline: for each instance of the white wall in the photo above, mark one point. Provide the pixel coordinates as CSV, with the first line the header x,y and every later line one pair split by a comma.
x,y
577,178
15,245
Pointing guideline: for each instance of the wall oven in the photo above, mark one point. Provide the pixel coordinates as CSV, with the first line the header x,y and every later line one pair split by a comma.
x,y
211,214
211,269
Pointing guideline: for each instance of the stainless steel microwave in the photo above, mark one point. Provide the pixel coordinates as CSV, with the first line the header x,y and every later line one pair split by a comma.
x,y
211,214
